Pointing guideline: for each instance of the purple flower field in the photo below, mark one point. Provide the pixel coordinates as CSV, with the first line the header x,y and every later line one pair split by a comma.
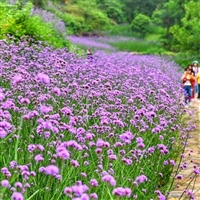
x,y
76,128
95,42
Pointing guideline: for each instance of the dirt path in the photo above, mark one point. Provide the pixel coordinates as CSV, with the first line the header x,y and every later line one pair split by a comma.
x,y
192,160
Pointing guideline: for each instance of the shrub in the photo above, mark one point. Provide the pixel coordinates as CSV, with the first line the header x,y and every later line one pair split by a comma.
x,y
141,24
17,21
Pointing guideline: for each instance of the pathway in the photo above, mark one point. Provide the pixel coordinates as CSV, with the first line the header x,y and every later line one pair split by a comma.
x,y
192,159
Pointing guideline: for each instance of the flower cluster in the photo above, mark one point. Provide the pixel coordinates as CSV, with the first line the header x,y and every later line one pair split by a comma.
x,y
111,126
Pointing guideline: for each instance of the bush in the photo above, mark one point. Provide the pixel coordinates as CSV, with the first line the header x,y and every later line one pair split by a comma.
x,y
18,21
84,17
185,58
141,25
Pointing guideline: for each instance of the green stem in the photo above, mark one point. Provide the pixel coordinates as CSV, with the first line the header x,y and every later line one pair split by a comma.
x,y
33,195
18,138
186,188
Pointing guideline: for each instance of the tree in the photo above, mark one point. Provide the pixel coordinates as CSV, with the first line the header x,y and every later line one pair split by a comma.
x,y
186,36
133,7
141,25
87,15
168,14
113,9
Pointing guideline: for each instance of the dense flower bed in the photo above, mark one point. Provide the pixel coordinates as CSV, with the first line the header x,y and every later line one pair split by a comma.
x,y
74,128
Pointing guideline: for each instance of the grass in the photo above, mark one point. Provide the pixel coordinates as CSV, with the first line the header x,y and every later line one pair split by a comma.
x,y
149,45
121,30
139,46
152,37
133,46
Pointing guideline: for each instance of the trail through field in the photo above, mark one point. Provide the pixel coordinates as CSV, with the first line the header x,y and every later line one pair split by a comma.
x,y
192,161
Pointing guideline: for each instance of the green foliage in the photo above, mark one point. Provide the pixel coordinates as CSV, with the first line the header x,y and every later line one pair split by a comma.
x,y
115,17
113,9
122,30
186,36
133,8
138,46
17,21
39,3
74,23
155,50
169,14
157,17
156,32
84,16
141,25
185,58
97,20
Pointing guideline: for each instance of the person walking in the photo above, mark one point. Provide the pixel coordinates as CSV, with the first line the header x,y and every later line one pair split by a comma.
x,y
190,67
195,68
198,82
187,79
